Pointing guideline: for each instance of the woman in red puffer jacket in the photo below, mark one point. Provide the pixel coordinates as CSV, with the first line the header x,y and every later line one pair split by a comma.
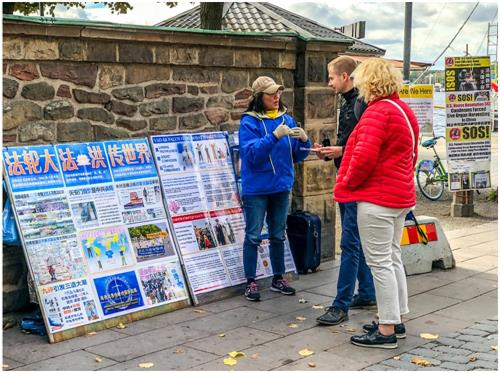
x,y
377,173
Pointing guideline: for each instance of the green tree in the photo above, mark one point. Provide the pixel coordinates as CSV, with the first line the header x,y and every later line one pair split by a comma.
x,y
30,8
210,13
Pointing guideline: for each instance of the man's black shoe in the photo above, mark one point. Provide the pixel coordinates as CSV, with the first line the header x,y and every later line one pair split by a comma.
x,y
333,316
357,303
252,292
398,328
375,340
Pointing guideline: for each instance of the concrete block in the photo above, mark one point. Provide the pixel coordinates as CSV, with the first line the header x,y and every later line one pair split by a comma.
x,y
420,258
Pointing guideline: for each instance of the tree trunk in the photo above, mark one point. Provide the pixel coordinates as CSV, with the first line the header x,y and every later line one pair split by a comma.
x,y
8,8
211,16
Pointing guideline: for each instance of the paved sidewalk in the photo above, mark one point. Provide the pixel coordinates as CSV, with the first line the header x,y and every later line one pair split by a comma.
x,y
472,348
454,304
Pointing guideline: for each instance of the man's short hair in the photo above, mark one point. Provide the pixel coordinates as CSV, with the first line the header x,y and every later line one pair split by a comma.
x,y
343,64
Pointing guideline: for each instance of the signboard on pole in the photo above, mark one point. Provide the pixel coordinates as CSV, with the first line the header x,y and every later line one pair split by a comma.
x,y
93,228
468,122
203,203
420,98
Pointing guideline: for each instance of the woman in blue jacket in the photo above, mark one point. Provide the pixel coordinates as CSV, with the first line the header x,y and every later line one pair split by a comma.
x,y
270,143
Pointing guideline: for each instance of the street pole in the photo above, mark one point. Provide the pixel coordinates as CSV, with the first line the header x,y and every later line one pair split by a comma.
x,y
462,204
407,42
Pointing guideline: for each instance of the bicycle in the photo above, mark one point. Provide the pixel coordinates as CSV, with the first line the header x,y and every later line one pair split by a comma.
x,y
432,177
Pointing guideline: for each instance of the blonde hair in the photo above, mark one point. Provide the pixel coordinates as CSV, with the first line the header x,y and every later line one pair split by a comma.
x,y
342,64
376,78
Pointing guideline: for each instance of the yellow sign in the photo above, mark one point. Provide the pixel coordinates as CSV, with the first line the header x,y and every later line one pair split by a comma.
x,y
468,133
466,62
417,91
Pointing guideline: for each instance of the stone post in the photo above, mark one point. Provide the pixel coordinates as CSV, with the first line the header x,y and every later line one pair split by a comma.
x,y
315,108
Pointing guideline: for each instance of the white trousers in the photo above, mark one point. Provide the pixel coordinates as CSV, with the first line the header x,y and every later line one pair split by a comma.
x,y
380,230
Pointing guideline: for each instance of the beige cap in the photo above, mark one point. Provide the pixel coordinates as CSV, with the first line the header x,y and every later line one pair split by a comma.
x,y
265,84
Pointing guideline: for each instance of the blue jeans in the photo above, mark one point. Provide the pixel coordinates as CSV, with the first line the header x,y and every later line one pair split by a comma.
x,y
352,261
255,208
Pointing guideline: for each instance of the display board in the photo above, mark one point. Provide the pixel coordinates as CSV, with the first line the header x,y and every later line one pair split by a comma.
x,y
468,122
94,231
204,207
420,98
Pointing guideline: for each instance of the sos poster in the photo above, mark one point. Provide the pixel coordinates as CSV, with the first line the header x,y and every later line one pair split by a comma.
x,y
468,122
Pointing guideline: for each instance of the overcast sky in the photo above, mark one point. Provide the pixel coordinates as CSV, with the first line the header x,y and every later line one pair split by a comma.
x,y
434,23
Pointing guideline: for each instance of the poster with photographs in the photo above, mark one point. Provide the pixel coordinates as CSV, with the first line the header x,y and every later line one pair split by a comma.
x,y
162,283
204,206
151,240
55,259
88,213
468,122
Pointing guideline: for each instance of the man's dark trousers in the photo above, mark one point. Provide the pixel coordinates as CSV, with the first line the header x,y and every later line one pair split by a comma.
x,y
352,261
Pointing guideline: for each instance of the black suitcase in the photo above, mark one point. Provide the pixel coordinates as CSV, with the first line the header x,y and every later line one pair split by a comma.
x,y
304,234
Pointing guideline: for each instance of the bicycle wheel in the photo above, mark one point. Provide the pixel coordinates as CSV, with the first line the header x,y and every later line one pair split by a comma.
x,y
428,183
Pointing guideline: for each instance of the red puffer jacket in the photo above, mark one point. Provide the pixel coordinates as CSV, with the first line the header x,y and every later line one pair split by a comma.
x,y
377,165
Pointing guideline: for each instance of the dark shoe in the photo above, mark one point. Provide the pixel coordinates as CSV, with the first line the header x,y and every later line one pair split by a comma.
x,y
357,303
281,286
398,328
333,316
252,292
375,340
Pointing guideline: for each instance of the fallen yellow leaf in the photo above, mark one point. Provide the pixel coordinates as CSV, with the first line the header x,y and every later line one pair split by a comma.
x,y
293,326
199,311
146,365
301,318
254,356
98,359
494,348
318,307
472,359
230,361
351,330
91,333
121,326
306,352
428,336
236,354
312,364
421,362
222,335
302,300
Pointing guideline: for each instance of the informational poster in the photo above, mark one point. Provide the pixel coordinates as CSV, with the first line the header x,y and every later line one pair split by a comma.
x,y
94,230
420,98
198,180
468,122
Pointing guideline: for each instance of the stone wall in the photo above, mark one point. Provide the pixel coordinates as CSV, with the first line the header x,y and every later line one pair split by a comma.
x,y
121,90
81,82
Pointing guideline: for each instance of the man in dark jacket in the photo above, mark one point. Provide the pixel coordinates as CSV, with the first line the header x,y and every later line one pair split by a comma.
x,y
352,260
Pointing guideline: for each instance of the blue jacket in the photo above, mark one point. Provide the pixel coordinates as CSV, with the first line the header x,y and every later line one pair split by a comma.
x,y
266,162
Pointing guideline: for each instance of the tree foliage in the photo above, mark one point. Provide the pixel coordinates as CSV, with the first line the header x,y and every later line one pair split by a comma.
x,y
210,13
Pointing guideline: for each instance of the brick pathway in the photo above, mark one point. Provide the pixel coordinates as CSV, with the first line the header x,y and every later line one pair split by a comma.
x,y
471,348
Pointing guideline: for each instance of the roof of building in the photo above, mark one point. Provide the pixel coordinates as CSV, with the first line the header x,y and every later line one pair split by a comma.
x,y
266,17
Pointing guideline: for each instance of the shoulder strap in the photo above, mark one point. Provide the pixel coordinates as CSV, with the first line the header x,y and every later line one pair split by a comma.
x,y
408,123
